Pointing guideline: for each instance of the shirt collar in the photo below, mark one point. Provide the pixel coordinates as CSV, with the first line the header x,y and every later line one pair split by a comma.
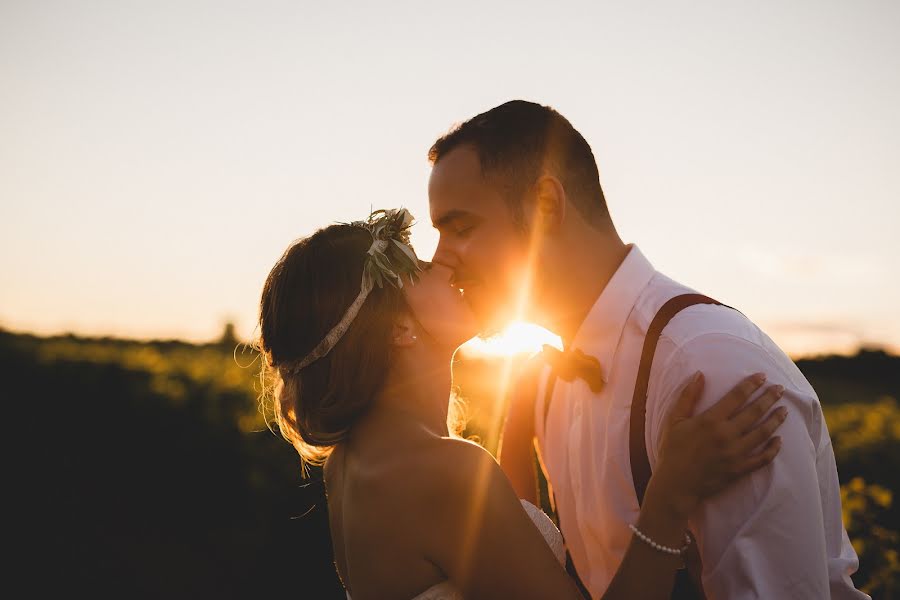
x,y
600,331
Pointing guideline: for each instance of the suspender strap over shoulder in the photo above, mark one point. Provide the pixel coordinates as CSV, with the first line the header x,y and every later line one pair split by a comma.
x,y
640,465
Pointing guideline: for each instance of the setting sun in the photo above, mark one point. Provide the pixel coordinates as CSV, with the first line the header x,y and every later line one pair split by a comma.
x,y
518,338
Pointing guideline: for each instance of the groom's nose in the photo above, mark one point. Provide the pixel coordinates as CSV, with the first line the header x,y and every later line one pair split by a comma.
x,y
444,256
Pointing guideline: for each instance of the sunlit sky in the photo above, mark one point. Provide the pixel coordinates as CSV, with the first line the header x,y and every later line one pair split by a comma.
x,y
157,157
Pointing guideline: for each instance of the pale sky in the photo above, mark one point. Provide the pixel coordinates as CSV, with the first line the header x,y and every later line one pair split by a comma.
x,y
156,158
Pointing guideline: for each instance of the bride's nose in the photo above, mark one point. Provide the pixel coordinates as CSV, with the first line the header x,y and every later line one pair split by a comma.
x,y
441,271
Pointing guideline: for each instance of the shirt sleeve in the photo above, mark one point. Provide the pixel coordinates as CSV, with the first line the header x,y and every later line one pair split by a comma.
x,y
776,533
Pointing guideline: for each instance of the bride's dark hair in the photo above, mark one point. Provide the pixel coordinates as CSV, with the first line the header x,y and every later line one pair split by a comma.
x,y
306,294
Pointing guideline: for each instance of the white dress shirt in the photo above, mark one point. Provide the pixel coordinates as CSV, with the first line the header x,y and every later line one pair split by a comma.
x,y
774,534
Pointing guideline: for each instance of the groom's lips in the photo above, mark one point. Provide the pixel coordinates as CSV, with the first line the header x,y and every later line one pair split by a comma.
x,y
464,283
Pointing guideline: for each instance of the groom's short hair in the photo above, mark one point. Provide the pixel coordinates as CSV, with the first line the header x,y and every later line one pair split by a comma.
x,y
517,141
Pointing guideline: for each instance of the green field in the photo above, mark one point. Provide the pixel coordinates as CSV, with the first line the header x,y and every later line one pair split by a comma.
x,y
148,470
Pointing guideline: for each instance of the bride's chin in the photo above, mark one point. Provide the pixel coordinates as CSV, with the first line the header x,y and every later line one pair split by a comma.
x,y
466,334
457,347
458,341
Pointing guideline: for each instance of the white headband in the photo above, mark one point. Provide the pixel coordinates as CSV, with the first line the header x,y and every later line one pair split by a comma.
x,y
389,258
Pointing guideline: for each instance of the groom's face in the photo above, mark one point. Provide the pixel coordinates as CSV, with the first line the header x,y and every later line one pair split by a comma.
x,y
479,241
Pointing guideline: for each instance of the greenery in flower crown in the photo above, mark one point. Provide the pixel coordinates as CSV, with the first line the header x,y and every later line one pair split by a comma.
x,y
391,256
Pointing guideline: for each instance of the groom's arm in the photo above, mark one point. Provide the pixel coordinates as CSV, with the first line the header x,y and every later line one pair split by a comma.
x,y
765,536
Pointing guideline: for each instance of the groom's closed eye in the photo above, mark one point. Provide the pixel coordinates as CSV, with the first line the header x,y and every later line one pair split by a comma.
x,y
464,231
456,221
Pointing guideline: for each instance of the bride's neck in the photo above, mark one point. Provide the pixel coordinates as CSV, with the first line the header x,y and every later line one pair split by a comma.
x,y
416,392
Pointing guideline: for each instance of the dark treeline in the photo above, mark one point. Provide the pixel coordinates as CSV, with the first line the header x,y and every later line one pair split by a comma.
x,y
868,376
136,490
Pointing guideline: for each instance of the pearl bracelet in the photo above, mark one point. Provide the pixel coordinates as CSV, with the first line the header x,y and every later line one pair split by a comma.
x,y
660,547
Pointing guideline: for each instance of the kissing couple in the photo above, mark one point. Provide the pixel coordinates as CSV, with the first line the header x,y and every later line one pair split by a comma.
x,y
655,426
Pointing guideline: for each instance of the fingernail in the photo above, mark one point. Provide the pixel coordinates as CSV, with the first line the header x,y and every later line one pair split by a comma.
x,y
782,413
759,378
697,377
779,390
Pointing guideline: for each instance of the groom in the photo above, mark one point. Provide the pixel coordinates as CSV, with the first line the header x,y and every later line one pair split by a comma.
x,y
523,222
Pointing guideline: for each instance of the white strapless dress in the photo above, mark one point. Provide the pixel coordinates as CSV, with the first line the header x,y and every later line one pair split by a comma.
x,y
446,591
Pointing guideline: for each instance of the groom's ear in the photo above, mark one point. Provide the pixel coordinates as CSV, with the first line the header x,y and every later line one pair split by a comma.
x,y
550,203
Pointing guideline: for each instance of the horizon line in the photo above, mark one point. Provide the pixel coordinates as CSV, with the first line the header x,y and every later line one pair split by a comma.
x,y
861,348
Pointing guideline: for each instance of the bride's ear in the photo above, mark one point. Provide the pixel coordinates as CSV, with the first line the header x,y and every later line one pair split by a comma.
x,y
404,333
550,204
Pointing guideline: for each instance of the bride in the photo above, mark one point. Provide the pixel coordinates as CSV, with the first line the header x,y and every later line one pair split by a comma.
x,y
358,336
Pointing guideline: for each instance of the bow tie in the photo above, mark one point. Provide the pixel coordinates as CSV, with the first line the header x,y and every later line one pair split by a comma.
x,y
574,363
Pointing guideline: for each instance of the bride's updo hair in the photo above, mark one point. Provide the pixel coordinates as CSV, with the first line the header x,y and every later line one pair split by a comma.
x,y
307,293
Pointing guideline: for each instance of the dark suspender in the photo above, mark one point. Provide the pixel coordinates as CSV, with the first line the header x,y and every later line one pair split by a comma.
x,y
687,581
640,465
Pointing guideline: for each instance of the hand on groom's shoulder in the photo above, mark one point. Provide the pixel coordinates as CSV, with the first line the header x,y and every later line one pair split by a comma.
x,y
779,527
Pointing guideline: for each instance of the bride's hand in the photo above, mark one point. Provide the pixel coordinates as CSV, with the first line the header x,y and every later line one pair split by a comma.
x,y
701,455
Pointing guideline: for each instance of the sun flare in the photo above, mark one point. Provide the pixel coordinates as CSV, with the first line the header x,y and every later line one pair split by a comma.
x,y
518,338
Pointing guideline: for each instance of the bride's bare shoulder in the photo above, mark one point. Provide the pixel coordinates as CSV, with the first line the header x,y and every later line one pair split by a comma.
x,y
449,455
447,469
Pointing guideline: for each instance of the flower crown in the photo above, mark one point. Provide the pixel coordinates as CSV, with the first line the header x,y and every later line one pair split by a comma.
x,y
388,260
